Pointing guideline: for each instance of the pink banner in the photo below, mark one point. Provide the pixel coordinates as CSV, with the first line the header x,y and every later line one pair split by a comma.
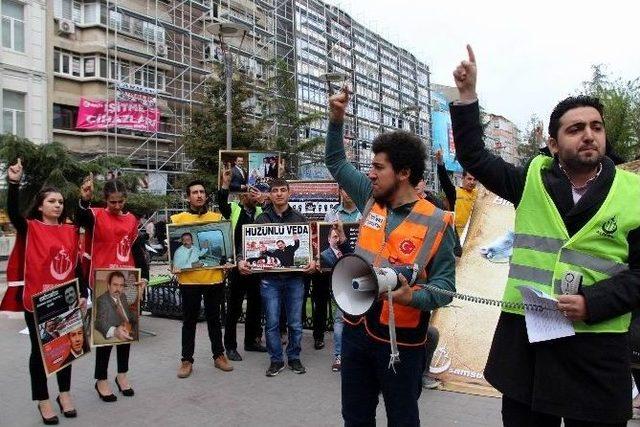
x,y
96,115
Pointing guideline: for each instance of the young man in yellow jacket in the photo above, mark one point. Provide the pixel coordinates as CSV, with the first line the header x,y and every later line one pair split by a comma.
x,y
200,284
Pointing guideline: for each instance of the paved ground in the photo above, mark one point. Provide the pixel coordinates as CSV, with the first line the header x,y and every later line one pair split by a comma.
x,y
244,397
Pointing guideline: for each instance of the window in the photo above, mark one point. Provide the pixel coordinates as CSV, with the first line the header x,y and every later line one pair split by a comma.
x,y
13,25
64,116
13,112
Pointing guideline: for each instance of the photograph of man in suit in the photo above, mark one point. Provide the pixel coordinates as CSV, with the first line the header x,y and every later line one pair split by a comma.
x,y
238,176
114,318
76,344
338,246
272,171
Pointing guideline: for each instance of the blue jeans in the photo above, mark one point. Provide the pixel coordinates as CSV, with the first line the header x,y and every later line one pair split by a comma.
x,y
365,373
274,290
338,326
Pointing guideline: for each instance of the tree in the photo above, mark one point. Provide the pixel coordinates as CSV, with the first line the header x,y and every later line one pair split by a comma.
x,y
533,140
207,133
621,101
52,165
282,112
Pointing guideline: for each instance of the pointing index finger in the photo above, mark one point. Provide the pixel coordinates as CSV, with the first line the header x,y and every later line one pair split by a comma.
x,y
472,56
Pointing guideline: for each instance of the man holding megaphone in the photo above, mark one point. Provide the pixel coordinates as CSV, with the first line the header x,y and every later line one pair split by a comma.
x,y
399,233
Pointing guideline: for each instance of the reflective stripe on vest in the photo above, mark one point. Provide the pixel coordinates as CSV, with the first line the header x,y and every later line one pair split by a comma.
x,y
414,241
597,251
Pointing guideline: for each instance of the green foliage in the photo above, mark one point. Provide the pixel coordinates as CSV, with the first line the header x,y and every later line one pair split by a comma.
x,y
283,111
532,142
621,100
207,133
52,165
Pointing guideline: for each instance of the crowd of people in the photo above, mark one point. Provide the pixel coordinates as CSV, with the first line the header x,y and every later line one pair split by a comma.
x,y
572,215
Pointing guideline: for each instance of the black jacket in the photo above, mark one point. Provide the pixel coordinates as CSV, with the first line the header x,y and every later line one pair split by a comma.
x,y
245,217
587,376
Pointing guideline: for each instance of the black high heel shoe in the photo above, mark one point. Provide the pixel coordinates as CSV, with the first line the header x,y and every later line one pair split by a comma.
x,y
108,398
48,421
128,392
67,414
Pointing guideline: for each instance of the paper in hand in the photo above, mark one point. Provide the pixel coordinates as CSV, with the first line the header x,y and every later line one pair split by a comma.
x,y
546,323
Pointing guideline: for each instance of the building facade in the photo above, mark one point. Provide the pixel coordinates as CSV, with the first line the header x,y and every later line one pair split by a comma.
x,y
121,77
23,75
502,137
390,85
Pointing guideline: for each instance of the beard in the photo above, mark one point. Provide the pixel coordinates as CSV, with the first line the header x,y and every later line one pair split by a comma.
x,y
580,163
383,196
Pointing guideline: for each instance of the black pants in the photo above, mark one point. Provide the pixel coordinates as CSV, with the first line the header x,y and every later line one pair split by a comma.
x,y
240,286
433,336
320,292
39,390
192,295
517,414
365,373
102,360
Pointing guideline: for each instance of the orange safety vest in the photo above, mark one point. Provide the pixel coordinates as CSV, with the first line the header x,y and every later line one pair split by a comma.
x,y
414,241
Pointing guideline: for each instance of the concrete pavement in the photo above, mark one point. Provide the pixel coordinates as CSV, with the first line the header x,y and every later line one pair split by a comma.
x,y
210,397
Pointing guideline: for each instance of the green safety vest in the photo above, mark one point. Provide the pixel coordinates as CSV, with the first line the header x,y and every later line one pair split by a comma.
x,y
543,251
235,213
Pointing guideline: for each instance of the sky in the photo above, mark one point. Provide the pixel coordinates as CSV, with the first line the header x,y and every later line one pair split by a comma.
x,y
529,55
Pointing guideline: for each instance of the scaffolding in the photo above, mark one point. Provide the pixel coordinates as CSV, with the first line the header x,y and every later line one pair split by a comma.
x,y
179,54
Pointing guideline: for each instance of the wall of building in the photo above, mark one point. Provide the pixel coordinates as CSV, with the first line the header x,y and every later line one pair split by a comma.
x,y
22,68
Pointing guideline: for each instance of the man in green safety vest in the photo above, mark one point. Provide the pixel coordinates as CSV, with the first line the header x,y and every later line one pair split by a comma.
x,y
577,237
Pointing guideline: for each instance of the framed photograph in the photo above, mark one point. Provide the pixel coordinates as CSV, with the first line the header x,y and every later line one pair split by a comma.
x,y
200,246
62,330
314,199
249,169
276,247
116,306
238,162
334,241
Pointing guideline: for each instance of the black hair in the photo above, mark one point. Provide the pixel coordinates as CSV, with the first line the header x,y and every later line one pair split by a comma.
x,y
194,183
279,182
278,241
404,151
186,234
114,186
569,104
34,211
115,274
464,173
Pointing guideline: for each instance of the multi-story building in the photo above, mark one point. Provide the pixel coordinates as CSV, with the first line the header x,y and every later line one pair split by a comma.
x,y
502,137
23,81
390,86
121,77
110,57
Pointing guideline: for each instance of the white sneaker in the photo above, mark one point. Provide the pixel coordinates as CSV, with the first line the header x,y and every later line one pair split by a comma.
x,y
430,383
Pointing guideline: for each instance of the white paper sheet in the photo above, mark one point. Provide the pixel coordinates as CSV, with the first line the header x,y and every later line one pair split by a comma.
x,y
548,323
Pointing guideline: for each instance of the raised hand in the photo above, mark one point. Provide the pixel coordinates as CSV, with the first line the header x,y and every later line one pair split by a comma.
x,y
439,159
465,76
338,105
226,176
86,188
281,168
14,172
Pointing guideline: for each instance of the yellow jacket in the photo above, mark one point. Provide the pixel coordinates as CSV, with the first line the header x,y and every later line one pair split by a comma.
x,y
202,277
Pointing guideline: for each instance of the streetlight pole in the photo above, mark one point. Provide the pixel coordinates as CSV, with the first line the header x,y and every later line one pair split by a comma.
x,y
229,30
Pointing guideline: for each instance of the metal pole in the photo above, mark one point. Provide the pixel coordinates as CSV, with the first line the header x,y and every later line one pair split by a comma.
x,y
228,75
